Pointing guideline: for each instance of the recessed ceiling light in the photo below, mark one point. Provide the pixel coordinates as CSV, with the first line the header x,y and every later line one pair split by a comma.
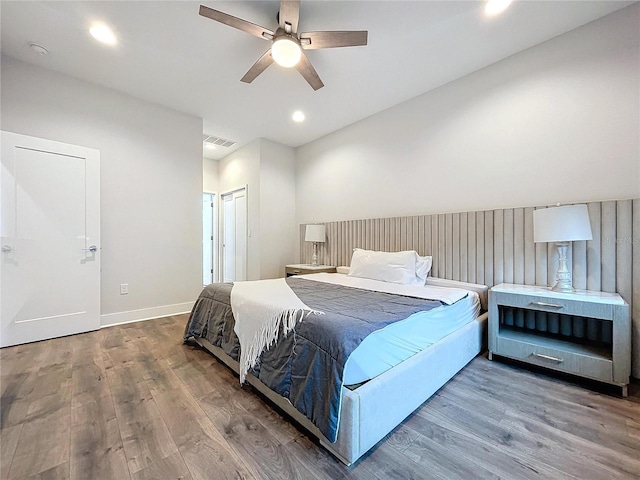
x,y
210,146
103,33
298,116
494,7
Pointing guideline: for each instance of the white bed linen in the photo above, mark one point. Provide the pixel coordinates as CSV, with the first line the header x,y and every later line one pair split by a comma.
x,y
428,292
260,307
386,348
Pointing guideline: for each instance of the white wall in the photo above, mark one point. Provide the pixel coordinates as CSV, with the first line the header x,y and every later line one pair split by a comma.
x,y
151,181
268,170
556,123
210,181
277,209
242,168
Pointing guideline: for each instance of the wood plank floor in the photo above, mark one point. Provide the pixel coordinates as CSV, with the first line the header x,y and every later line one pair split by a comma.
x,y
133,402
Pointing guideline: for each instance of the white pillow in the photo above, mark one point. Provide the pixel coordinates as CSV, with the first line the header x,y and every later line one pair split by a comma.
x,y
423,267
392,267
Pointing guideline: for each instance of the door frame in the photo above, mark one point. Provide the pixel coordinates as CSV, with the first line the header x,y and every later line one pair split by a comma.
x,y
215,234
221,231
90,320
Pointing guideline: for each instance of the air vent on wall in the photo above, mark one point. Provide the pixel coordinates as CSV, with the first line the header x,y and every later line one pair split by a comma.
x,y
212,140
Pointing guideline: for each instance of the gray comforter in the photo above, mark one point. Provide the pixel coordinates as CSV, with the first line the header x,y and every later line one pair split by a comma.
x,y
307,365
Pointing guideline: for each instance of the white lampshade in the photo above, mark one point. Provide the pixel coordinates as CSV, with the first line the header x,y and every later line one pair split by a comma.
x,y
286,52
568,223
314,233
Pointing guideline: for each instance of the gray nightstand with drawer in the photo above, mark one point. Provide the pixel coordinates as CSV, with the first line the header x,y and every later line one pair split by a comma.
x,y
302,269
584,333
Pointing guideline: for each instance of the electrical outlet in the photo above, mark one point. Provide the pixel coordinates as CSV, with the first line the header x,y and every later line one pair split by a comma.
x,y
124,288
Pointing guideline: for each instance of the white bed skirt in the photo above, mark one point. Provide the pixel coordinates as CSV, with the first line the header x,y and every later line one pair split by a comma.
x,y
374,409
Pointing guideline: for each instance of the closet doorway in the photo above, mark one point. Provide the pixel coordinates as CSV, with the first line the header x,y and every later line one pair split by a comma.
x,y
234,235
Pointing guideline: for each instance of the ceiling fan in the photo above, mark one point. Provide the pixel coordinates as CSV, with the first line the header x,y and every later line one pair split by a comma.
x,y
287,44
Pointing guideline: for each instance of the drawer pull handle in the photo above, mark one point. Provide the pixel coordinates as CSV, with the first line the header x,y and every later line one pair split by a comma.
x,y
548,357
545,304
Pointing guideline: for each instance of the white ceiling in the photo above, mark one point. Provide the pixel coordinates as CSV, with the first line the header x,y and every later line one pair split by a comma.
x,y
170,55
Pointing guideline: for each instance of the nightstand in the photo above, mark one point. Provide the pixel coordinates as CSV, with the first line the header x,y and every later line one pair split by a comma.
x,y
583,333
302,269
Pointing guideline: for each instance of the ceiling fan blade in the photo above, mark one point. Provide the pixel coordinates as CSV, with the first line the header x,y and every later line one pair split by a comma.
x,y
235,22
314,40
260,66
309,73
289,13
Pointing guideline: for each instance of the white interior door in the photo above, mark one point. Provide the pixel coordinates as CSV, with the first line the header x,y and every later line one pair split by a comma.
x,y
50,238
229,239
234,245
241,234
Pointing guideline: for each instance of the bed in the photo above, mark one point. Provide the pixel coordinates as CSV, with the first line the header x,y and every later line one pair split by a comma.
x,y
425,343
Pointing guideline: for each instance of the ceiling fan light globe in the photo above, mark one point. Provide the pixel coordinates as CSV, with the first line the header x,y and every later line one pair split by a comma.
x,y
286,52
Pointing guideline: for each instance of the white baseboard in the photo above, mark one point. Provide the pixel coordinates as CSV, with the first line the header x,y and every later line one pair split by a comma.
x,y
119,318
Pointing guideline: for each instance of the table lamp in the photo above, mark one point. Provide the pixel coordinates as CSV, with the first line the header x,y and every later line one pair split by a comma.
x,y
315,234
561,225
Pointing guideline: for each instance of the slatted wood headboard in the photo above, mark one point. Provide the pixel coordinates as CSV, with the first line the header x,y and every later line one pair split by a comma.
x,y
496,246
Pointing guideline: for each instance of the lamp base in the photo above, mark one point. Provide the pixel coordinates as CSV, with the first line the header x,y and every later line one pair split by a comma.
x,y
561,288
314,260
563,283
